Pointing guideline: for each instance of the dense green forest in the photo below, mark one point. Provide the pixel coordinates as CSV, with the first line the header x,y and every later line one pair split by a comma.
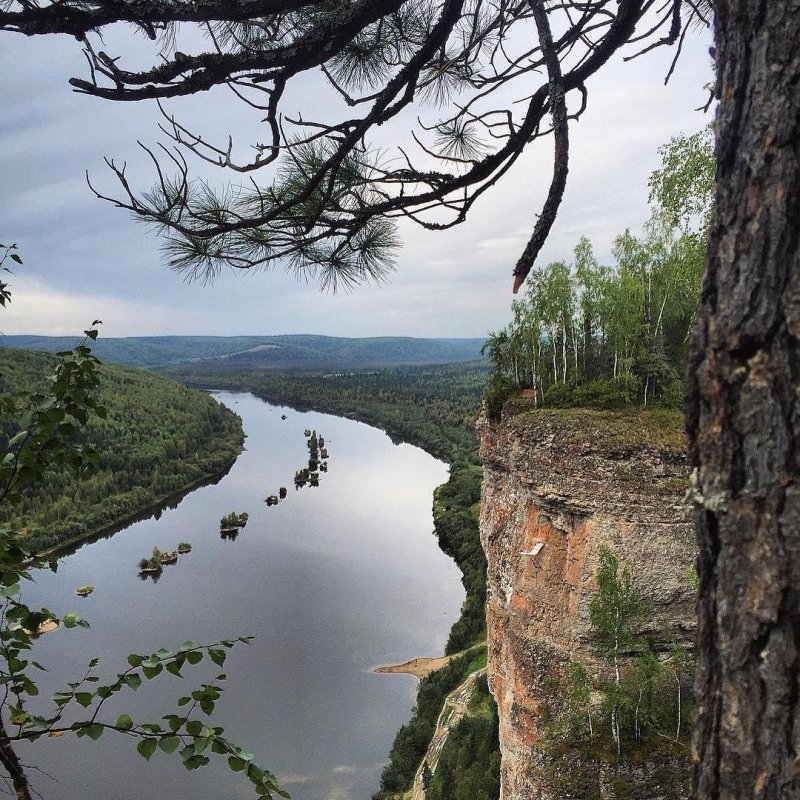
x,y
469,764
158,438
285,352
433,407
608,335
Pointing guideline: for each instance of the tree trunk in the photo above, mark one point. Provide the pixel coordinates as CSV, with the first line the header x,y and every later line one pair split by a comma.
x,y
743,418
11,764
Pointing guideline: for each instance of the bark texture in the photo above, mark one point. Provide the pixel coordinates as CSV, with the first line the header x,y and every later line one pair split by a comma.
x,y
744,417
12,765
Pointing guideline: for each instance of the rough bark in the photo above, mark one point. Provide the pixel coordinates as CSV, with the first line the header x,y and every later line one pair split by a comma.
x,y
744,417
12,765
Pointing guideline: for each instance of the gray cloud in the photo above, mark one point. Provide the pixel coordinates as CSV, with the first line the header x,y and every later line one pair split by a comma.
x,y
79,251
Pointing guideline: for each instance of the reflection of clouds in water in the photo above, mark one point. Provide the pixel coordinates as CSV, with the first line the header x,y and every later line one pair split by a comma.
x,y
293,779
348,781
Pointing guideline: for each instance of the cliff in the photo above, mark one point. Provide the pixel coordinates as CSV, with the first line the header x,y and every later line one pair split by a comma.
x,y
558,486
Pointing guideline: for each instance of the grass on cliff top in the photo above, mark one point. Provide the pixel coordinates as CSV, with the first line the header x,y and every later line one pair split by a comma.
x,y
660,428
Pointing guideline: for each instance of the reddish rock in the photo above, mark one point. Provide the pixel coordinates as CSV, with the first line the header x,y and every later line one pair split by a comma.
x,y
558,486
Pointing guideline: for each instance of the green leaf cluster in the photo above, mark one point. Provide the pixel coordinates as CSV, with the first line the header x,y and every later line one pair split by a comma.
x,y
47,443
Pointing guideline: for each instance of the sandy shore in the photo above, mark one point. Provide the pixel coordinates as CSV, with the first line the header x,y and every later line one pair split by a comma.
x,y
419,667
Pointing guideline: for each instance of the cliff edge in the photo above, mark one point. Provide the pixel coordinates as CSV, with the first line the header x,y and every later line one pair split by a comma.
x,y
558,486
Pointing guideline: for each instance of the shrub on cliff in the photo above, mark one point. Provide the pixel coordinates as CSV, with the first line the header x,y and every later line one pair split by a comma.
x,y
631,701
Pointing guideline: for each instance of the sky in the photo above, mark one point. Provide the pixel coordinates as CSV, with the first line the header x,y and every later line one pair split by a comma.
x,y
85,260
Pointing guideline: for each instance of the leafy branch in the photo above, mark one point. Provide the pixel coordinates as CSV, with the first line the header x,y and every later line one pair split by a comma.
x,y
48,439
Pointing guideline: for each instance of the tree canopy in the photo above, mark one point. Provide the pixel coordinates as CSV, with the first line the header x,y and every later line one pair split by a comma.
x,y
486,79
591,334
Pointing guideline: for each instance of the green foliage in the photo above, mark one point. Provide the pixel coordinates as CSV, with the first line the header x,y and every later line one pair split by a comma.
x,y
153,564
8,252
47,442
500,390
150,440
612,335
456,526
233,520
617,609
604,335
683,187
633,701
597,393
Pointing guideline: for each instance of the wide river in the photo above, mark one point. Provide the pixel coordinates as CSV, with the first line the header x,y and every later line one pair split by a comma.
x,y
332,581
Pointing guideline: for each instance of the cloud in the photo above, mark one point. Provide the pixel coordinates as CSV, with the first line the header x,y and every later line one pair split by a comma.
x,y
41,309
92,260
346,769
293,779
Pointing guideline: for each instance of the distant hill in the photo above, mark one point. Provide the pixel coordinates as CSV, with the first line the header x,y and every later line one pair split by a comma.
x,y
266,352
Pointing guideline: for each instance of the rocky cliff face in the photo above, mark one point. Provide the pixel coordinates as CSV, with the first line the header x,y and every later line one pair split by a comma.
x,y
558,485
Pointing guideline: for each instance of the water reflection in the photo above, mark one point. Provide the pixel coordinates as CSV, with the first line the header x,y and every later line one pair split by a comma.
x,y
330,581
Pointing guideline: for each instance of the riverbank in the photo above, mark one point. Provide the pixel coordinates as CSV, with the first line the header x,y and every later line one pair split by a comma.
x,y
155,441
418,667
170,500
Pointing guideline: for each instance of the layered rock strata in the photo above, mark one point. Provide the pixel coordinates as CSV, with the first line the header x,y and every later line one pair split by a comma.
x,y
559,485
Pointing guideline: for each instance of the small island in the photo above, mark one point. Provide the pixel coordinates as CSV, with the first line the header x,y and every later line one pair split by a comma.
x,y
154,565
231,522
84,591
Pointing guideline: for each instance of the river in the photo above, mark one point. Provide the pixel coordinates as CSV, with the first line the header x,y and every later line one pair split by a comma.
x,y
332,581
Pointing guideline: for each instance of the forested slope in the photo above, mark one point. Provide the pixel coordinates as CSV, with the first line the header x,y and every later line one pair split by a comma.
x,y
285,352
158,438
433,407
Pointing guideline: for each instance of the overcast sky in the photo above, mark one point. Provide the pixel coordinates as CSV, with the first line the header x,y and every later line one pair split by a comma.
x,y
86,260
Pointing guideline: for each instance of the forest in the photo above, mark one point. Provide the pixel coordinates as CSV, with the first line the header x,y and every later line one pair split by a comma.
x,y
157,440
608,335
291,351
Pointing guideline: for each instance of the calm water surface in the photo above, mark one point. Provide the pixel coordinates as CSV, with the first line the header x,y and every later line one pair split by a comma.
x,y
332,581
